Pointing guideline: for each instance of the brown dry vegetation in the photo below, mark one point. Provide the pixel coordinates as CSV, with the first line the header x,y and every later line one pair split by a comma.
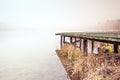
x,y
91,67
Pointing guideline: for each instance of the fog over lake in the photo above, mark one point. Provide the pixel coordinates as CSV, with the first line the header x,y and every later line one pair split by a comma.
x,y
24,57
27,33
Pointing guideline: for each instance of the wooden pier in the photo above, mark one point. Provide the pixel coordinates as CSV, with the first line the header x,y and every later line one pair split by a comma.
x,y
83,37
82,40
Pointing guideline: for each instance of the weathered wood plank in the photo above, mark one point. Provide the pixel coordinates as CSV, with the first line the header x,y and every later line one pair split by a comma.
x,y
112,38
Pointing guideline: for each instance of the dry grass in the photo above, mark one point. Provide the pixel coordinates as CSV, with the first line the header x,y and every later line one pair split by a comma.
x,y
91,67
70,51
97,67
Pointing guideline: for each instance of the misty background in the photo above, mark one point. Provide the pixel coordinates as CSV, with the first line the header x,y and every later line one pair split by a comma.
x,y
28,27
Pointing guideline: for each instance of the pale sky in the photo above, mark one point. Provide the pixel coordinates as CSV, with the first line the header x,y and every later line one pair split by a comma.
x,y
60,15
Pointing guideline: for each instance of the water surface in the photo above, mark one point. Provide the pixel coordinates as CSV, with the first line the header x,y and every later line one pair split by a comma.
x,y
29,55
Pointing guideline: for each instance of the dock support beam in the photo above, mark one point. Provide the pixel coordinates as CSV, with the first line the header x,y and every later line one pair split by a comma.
x,y
80,43
92,46
61,41
70,39
85,46
115,48
75,40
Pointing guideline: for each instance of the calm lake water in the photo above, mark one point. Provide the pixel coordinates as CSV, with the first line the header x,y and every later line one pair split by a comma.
x,y
29,55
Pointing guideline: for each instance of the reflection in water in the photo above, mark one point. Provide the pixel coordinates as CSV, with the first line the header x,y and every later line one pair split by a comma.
x,y
26,56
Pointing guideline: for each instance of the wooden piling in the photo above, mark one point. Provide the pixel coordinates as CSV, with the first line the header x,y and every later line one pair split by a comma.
x,y
61,41
70,39
75,40
85,46
80,43
115,48
92,42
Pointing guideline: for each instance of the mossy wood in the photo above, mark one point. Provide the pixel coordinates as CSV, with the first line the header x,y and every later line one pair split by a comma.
x,y
109,37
